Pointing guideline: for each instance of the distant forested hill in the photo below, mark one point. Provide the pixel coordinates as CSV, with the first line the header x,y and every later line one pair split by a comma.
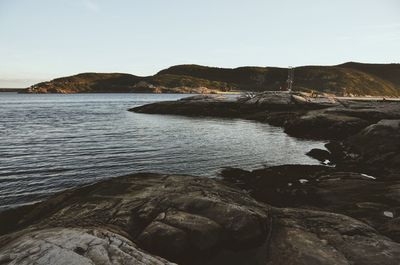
x,y
388,72
346,79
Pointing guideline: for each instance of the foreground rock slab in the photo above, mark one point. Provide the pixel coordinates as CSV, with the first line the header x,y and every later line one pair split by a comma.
x,y
139,218
180,218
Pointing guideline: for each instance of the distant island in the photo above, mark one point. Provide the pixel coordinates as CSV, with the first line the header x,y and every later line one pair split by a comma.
x,y
348,79
11,89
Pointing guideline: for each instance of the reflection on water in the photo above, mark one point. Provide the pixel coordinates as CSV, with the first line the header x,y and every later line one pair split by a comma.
x,y
52,142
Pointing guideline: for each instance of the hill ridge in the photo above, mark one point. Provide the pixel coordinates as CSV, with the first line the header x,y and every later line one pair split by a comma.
x,y
351,78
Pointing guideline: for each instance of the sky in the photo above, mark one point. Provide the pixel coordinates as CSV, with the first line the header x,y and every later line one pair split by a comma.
x,y
45,39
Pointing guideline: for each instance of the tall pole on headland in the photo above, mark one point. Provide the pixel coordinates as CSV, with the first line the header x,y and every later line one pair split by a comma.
x,y
290,78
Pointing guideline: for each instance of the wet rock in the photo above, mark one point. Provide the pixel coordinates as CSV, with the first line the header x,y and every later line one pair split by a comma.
x,y
321,155
336,150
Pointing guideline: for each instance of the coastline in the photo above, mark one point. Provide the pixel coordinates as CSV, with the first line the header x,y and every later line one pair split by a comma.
x,y
262,216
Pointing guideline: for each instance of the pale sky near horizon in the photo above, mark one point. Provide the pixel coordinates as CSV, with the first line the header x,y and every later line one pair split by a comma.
x,y
45,39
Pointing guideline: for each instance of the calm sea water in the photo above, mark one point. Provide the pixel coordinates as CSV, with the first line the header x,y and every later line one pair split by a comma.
x,y
52,142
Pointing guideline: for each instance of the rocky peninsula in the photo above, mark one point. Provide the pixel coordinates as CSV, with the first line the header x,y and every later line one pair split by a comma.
x,y
344,211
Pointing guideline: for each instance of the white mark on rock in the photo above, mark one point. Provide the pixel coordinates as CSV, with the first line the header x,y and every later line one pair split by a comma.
x,y
388,214
326,162
368,176
302,181
289,184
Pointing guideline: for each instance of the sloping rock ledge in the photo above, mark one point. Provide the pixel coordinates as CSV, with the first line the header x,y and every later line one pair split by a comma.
x,y
157,219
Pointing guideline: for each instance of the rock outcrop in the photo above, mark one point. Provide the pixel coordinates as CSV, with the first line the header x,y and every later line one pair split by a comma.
x,y
378,145
373,200
180,218
300,114
304,237
324,125
149,219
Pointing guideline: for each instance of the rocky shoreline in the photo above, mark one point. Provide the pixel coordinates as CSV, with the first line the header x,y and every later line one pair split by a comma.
x,y
345,213
354,128
150,218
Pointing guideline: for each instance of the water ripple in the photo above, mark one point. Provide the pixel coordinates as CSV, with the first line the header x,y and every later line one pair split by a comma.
x,y
52,142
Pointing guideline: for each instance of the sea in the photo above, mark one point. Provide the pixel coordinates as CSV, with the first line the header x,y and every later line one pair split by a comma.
x,y
52,142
